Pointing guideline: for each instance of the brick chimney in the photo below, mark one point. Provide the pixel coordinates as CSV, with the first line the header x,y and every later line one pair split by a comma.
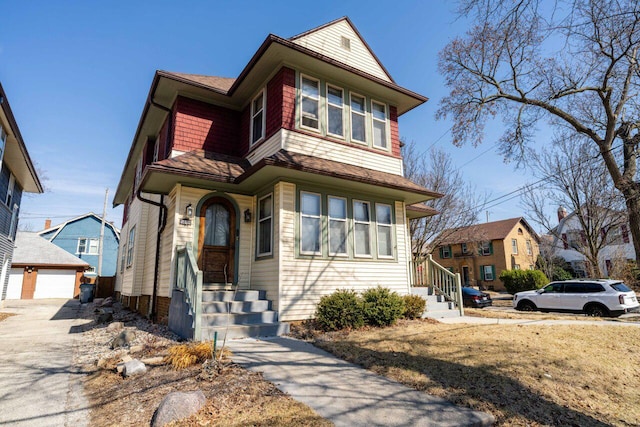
x,y
562,213
47,224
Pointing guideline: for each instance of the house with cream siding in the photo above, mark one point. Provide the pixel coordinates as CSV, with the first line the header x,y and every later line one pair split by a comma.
x,y
481,252
282,184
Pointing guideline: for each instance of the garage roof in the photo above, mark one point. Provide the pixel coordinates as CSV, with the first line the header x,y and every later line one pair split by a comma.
x,y
31,249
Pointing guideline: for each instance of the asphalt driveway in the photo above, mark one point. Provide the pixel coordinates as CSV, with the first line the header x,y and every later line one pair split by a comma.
x,y
38,384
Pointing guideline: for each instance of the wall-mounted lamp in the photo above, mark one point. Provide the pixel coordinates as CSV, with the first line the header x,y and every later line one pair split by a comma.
x,y
247,215
29,269
188,211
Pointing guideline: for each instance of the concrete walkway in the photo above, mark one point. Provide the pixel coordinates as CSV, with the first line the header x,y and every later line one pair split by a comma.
x,y
343,393
38,384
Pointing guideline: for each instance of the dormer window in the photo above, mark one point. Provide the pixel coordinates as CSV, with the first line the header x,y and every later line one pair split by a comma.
x,y
310,103
257,118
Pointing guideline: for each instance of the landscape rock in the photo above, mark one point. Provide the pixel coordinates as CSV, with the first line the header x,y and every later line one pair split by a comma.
x,y
108,302
115,326
133,367
136,348
176,406
103,317
154,361
123,339
98,301
120,366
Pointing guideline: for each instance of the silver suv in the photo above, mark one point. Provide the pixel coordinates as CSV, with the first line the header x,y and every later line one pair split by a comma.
x,y
595,297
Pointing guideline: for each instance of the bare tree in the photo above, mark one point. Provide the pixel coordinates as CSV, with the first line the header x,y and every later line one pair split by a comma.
x,y
459,207
572,175
573,63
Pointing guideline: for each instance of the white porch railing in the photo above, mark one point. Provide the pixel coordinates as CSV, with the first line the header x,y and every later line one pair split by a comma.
x,y
428,273
189,280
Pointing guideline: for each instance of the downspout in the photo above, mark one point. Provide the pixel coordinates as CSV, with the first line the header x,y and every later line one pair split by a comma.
x,y
162,216
162,221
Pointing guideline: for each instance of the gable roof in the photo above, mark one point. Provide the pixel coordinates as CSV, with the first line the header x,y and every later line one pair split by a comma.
x,y
58,228
31,249
323,40
496,230
16,155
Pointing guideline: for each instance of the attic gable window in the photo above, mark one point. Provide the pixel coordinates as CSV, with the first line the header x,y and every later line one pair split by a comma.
x,y
345,43
310,102
257,118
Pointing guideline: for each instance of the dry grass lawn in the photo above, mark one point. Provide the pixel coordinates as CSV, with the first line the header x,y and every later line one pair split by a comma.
x,y
581,375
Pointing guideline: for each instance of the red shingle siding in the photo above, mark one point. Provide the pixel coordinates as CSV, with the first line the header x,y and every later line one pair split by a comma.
x,y
288,98
395,135
245,122
199,125
274,104
281,101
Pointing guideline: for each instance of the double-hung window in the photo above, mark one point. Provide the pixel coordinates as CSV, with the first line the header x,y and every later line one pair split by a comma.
x,y
379,119
257,118
310,103
3,140
362,225
265,215
514,246
488,272
132,241
10,188
334,111
385,241
358,118
337,226
88,246
529,250
310,223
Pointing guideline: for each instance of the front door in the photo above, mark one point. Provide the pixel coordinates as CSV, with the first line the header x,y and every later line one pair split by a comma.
x,y
217,240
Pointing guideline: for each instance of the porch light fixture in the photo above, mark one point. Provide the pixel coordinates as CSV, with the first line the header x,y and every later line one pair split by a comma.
x,y
188,211
247,215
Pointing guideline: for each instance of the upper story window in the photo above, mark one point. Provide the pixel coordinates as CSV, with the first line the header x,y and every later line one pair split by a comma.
x,y
310,103
88,246
130,246
445,252
257,118
486,248
3,140
10,189
265,215
464,248
138,172
335,117
529,250
514,246
379,120
358,118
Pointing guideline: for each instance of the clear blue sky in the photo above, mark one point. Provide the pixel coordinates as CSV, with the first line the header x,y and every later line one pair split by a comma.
x,y
77,74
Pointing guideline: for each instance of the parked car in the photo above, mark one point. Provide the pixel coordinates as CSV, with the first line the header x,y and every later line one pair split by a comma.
x,y
474,298
594,297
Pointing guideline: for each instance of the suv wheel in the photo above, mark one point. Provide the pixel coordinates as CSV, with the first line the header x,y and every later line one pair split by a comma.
x,y
526,306
596,310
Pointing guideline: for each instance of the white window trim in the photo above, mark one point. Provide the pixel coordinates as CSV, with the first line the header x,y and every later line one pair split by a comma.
x,y
344,220
355,246
529,247
490,273
13,226
263,92
387,145
514,246
488,247
319,216
3,144
351,112
302,96
329,104
260,221
10,188
390,226
88,244
131,242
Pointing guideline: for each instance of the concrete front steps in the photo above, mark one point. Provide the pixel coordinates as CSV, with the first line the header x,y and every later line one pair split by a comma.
x,y
238,314
437,306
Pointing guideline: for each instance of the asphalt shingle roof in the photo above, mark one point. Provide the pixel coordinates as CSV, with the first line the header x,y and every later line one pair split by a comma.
x,y
32,249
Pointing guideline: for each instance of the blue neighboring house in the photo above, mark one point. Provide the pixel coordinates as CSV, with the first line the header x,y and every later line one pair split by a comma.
x,y
81,237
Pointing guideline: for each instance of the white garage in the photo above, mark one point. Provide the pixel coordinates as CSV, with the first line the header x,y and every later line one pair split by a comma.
x,y
55,284
14,290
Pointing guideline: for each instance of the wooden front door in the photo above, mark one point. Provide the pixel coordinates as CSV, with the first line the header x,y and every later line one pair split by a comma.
x,y
217,241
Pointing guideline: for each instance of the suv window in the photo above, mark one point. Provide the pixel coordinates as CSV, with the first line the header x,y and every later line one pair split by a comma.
x,y
553,288
575,288
620,287
593,287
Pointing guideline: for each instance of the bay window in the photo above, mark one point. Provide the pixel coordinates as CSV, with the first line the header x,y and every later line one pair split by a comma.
x,y
358,117
383,219
310,103
310,223
379,119
337,226
362,224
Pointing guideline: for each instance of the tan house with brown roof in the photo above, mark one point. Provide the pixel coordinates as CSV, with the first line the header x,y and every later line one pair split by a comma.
x,y
481,252
286,182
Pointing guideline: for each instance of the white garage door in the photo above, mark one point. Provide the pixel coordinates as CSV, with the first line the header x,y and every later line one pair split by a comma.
x,y
14,291
55,284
